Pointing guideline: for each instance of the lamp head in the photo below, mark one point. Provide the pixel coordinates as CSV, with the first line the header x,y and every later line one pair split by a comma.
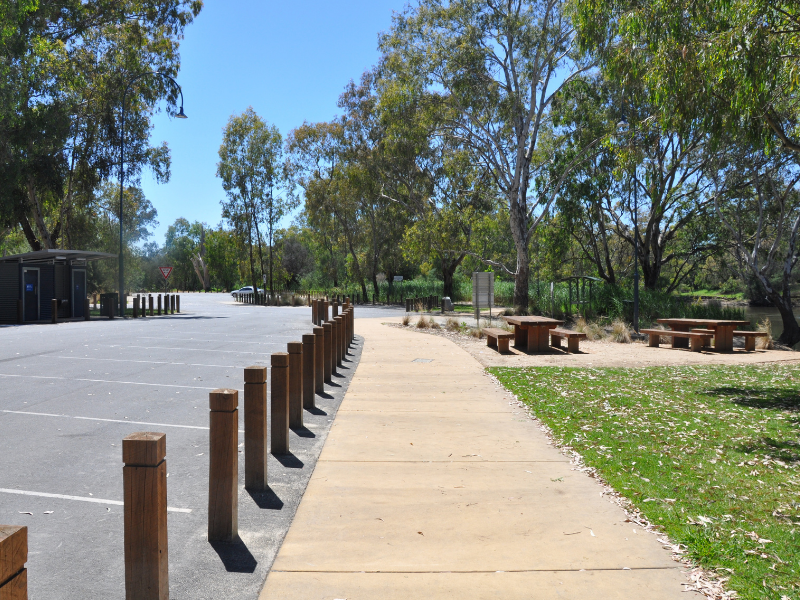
x,y
623,124
181,114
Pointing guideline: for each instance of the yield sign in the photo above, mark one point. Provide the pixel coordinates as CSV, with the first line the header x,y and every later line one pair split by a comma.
x,y
165,271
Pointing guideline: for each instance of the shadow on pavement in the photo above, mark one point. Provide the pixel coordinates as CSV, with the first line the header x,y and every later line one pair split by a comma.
x,y
304,432
268,499
290,461
235,557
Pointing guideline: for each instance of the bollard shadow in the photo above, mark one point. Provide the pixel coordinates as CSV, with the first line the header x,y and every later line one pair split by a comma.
x,y
304,432
318,411
235,556
290,461
267,499
333,383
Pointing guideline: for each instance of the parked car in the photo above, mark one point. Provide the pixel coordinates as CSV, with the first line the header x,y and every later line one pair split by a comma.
x,y
248,289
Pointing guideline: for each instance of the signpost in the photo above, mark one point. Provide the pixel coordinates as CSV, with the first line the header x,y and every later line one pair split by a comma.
x,y
482,293
165,271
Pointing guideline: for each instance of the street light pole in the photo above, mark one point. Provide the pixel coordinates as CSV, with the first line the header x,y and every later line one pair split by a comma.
x,y
181,115
635,237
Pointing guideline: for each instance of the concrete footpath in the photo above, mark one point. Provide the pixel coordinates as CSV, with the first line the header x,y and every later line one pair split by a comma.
x,y
432,485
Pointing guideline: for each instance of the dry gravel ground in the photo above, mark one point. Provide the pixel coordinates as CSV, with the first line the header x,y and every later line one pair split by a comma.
x,y
605,353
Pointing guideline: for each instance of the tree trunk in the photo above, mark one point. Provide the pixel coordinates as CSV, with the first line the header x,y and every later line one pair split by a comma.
x,y
791,330
448,272
519,232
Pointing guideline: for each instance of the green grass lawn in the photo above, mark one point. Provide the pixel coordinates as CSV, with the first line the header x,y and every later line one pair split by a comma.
x,y
710,454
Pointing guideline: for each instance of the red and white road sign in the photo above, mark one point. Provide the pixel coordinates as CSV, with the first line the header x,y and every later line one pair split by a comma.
x,y
165,271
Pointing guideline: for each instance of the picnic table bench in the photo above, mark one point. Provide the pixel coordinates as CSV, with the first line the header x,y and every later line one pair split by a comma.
x,y
722,331
698,340
532,333
573,338
749,337
497,338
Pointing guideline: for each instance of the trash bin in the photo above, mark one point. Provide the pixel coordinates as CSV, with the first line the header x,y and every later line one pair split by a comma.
x,y
447,304
106,301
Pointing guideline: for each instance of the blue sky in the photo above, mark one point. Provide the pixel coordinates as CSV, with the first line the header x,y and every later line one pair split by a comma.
x,y
288,60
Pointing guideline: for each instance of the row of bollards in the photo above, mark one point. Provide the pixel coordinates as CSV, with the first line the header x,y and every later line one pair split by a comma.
x,y
144,304
296,376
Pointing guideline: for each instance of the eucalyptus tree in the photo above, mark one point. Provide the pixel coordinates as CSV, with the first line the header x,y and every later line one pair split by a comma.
x,y
498,64
658,177
731,67
252,172
65,65
757,201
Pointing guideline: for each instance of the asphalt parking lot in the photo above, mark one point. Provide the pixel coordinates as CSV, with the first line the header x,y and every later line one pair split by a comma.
x,y
72,391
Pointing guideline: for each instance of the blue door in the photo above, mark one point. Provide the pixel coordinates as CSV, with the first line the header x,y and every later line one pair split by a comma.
x,y
31,294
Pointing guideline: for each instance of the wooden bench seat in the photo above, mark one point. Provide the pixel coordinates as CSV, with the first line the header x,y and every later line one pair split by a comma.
x,y
749,337
498,338
572,337
697,339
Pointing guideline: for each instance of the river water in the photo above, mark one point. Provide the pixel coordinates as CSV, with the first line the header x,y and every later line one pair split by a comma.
x,y
756,314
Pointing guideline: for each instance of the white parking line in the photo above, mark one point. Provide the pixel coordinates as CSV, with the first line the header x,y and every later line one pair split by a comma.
x,y
183,349
189,387
82,499
35,414
152,362
174,339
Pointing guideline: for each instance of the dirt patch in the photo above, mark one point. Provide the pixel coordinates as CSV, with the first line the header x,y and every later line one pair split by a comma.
x,y
605,354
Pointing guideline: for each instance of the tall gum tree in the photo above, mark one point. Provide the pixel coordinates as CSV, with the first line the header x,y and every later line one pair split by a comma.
x,y
499,64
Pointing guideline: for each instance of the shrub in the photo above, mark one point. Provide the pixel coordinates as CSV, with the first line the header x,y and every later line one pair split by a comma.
x,y
452,325
406,320
434,324
422,323
620,332
765,343
476,332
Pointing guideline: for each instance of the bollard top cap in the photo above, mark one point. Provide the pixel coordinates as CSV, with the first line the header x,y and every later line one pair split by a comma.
x,y
280,359
338,319
144,448
327,325
318,330
295,347
308,338
255,374
224,400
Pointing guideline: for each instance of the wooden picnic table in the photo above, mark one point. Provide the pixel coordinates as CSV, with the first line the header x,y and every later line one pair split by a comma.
x,y
723,331
532,333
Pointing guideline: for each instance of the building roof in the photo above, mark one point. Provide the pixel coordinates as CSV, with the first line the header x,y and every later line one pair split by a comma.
x,y
59,256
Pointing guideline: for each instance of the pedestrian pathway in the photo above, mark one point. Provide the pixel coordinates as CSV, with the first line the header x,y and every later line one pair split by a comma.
x,y
432,484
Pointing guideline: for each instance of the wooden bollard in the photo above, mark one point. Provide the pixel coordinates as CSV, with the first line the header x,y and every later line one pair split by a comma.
x,y
255,428
328,327
319,360
324,315
223,507
334,309
334,346
144,476
339,337
159,304
166,304
87,309
54,311
295,384
309,370
136,308
111,308
178,303
150,304
279,401
172,304
314,312
342,339
13,556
